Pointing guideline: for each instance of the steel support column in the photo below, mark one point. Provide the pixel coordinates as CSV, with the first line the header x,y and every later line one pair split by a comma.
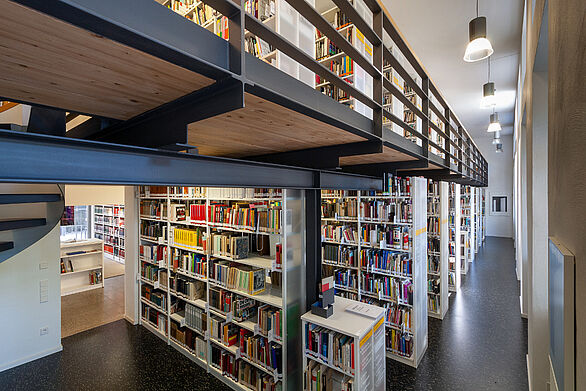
x,y
312,245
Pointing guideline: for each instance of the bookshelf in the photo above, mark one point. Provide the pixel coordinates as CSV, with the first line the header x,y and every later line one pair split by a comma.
x,y
82,266
108,224
483,214
380,250
201,14
464,228
337,61
454,249
437,249
213,278
477,219
472,223
353,358
280,16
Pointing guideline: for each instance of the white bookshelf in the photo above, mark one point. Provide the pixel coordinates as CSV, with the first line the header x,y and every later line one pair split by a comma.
x,y
437,254
359,78
174,325
108,226
414,226
455,251
464,228
82,266
366,333
472,227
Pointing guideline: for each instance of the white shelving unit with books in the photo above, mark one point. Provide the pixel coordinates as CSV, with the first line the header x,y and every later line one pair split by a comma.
x,y
337,61
82,266
345,351
454,249
371,245
472,223
214,266
108,225
464,228
437,249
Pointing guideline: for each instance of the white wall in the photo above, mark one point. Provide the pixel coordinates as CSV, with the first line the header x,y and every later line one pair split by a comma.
x,y
500,180
23,314
93,195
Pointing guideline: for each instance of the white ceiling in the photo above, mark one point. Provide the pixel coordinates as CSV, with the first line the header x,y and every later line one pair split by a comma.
x,y
437,31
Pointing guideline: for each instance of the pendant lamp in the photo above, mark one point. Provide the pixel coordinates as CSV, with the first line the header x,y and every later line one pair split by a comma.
x,y
478,47
494,125
488,92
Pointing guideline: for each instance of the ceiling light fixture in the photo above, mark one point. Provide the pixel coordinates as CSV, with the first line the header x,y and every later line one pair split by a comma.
x,y
499,148
488,92
497,138
494,125
478,47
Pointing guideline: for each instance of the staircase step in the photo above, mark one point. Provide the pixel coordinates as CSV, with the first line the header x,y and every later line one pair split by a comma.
x,y
7,225
28,198
5,246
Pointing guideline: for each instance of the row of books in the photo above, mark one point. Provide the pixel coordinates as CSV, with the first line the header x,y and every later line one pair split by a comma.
x,y
333,92
342,66
231,193
433,285
187,288
389,288
386,261
224,332
397,238
154,209
433,263
252,378
189,262
66,266
257,46
341,255
269,319
339,233
224,362
399,342
153,229
324,47
195,317
151,272
346,279
190,340
399,316
156,297
154,252
319,377
193,238
155,318
263,216
107,230
259,350
433,223
187,191
243,278
230,245
261,9
329,346
240,307
332,208
386,210
95,277
433,244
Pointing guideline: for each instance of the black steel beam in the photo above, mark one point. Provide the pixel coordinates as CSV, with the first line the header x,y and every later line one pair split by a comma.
x,y
401,144
36,158
167,124
146,26
379,169
321,157
396,65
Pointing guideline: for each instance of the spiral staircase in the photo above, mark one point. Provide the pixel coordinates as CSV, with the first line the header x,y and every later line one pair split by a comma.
x,y
27,213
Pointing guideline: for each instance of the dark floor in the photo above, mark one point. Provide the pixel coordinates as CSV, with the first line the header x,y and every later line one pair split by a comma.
x,y
482,342
480,345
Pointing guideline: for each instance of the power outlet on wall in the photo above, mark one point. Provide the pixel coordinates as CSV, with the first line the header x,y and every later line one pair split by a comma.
x,y
44,330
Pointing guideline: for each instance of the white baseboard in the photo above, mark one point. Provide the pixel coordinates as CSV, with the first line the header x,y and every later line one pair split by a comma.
x,y
32,357
130,320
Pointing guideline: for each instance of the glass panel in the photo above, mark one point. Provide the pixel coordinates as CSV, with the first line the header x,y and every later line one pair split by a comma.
x,y
75,223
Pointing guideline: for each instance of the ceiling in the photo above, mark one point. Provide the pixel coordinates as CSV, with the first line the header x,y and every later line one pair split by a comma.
x,y
437,32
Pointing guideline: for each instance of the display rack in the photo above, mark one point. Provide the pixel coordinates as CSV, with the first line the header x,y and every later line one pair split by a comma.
x,y
472,223
213,279
201,14
108,223
454,249
465,228
345,351
483,214
437,249
380,242
82,266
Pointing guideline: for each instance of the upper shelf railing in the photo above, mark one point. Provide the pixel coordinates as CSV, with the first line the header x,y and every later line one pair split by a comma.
x,y
394,86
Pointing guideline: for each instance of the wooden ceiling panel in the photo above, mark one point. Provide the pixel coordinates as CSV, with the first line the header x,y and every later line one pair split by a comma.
x,y
263,127
47,61
388,155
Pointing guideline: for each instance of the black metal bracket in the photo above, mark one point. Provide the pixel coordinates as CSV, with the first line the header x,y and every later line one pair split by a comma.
x,y
322,157
167,124
378,169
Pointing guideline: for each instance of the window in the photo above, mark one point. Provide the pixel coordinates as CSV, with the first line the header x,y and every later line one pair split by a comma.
x,y
499,205
75,223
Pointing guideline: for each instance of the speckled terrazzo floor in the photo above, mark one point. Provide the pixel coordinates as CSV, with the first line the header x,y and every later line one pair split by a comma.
x,y
482,342
480,345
